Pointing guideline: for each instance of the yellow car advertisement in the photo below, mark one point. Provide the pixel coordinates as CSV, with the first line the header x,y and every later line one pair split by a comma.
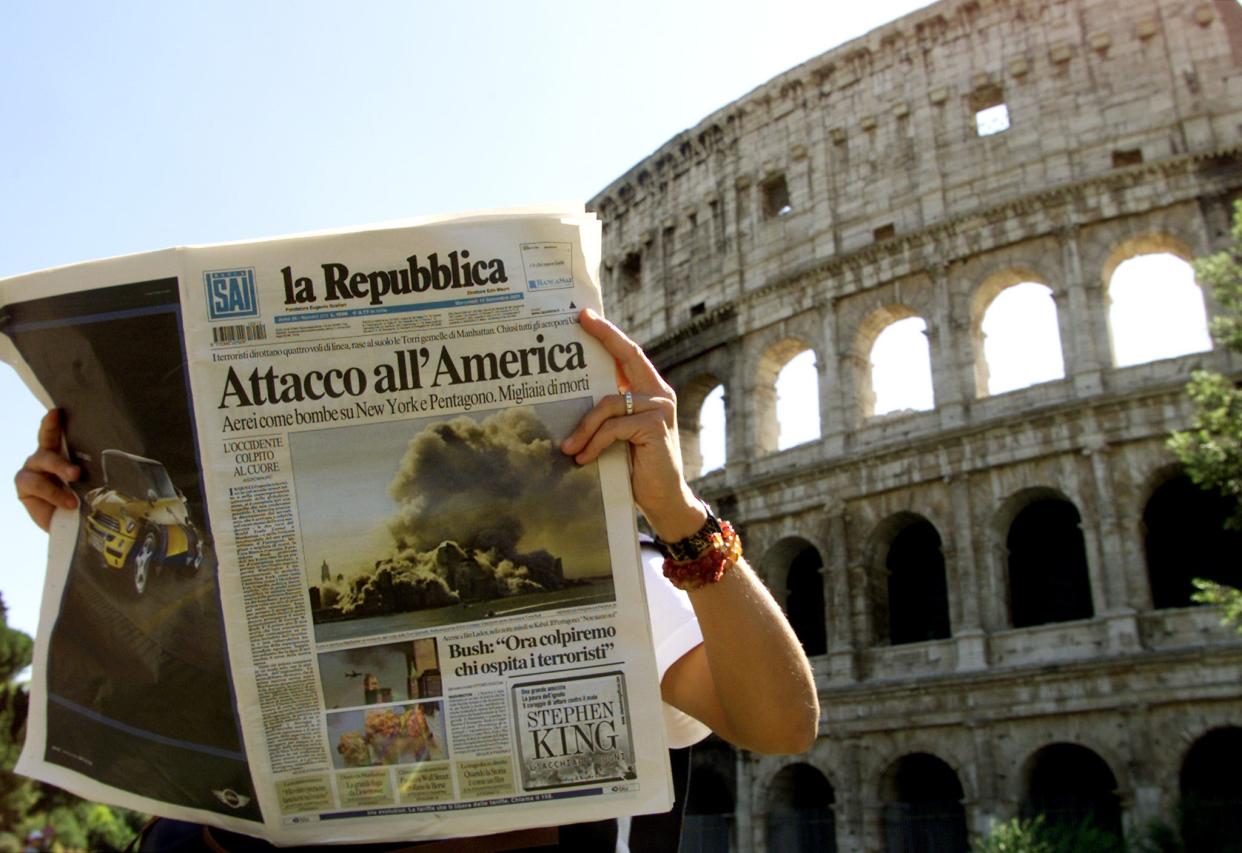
x,y
138,521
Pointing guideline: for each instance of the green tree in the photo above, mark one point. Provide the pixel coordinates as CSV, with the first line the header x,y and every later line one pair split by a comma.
x,y
17,795
27,807
1037,835
1016,836
1211,450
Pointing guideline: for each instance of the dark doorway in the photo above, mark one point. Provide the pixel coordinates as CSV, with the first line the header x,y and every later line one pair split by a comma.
x,y
918,598
1185,538
1211,790
1070,784
923,811
1047,565
800,817
709,813
804,601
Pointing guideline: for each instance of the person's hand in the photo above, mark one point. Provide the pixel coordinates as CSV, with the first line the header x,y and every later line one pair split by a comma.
x,y
748,648
660,489
41,483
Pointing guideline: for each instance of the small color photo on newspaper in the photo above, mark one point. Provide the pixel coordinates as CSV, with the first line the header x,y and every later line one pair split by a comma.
x,y
398,734
377,675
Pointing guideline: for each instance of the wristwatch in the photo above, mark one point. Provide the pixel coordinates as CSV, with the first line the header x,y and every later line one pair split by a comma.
x,y
693,545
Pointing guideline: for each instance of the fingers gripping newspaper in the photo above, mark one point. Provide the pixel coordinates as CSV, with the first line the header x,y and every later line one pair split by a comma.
x,y
331,578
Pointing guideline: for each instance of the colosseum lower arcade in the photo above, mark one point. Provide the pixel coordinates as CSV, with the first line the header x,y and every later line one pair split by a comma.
x,y
993,582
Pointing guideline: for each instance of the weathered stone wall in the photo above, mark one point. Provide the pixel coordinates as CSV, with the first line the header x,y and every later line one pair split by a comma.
x,y
1125,138
881,132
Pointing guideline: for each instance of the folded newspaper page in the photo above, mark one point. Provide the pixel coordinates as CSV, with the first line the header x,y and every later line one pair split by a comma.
x,y
331,578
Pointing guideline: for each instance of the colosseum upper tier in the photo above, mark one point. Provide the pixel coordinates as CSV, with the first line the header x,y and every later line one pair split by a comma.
x,y
994,587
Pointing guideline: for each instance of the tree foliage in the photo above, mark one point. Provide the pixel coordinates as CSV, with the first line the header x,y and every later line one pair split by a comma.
x,y
1015,836
1211,450
1038,835
35,816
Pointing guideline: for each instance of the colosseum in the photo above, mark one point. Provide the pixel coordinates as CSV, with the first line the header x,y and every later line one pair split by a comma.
x,y
992,580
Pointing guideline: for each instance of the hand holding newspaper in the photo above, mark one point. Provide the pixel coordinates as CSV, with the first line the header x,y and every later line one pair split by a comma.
x,y
332,577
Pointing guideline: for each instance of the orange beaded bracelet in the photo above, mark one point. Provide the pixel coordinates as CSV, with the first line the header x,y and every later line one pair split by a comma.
x,y
703,558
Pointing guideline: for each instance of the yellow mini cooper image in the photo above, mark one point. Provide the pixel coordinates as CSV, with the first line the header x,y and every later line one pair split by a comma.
x,y
138,520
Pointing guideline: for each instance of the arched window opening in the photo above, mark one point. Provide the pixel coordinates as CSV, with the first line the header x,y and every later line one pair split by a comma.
x,y
1048,580
785,398
629,275
805,602
712,432
1069,784
1155,310
800,564
1186,538
923,806
1021,339
918,597
800,817
797,401
901,376
1211,792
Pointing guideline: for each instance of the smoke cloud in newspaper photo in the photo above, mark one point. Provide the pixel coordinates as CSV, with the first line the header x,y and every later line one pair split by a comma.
x,y
448,519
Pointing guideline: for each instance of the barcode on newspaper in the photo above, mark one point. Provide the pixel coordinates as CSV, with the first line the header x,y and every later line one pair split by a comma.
x,y
239,334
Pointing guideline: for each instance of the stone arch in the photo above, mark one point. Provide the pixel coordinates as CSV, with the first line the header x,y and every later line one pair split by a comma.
x,y
1184,537
793,568
800,813
767,405
690,402
1039,335
1149,243
907,587
1040,537
1210,789
870,330
1134,333
767,770
1068,783
923,805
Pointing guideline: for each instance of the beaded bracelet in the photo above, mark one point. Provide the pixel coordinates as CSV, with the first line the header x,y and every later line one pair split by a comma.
x,y
721,549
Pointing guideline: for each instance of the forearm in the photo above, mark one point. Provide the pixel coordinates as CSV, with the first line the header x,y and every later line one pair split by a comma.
x,y
762,676
750,680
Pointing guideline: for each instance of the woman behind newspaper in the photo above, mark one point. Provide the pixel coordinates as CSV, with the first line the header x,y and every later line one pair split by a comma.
x,y
728,660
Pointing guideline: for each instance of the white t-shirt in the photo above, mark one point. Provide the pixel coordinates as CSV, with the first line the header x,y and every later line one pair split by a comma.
x,y
674,631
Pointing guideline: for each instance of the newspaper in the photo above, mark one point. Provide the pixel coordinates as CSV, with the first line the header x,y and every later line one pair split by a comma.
x,y
331,578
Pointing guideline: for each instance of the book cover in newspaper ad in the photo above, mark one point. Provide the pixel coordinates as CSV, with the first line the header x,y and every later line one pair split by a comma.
x,y
398,553
574,731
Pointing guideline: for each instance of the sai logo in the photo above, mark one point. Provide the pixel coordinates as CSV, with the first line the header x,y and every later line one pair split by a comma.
x,y
231,294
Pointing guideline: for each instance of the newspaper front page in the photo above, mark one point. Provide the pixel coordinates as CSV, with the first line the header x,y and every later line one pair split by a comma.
x,y
332,578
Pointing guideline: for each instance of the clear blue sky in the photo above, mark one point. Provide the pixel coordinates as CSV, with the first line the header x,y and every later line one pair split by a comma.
x,y
131,126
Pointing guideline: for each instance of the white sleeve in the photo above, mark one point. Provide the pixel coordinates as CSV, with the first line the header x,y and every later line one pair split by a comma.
x,y
674,631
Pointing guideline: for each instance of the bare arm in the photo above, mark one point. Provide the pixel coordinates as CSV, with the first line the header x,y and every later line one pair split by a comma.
x,y
750,680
